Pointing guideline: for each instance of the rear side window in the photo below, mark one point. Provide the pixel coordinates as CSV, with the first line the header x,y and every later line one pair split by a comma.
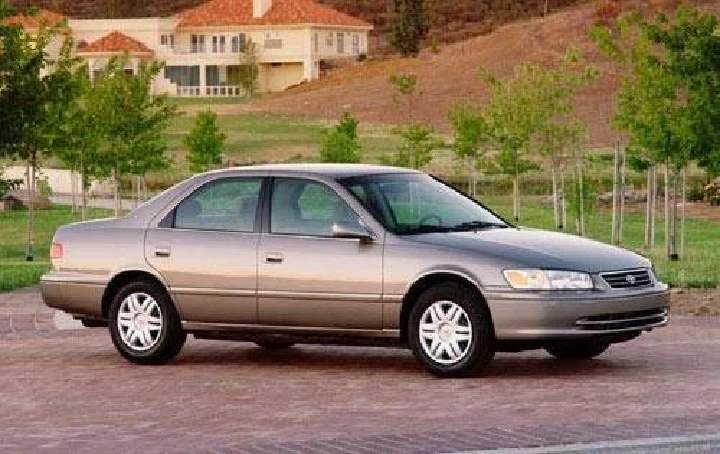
x,y
227,205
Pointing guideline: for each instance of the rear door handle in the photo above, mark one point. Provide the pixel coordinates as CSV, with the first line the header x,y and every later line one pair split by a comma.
x,y
274,258
162,251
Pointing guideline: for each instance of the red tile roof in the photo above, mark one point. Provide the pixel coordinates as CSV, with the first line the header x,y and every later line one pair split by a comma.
x,y
282,12
115,42
50,18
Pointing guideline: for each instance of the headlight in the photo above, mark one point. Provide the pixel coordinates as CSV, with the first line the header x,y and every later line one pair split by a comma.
x,y
548,280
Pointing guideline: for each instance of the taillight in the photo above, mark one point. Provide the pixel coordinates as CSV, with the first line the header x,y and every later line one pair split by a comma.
x,y
56,251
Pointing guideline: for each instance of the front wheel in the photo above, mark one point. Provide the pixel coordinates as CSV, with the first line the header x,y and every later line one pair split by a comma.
x,y
144,325
577,350
450,331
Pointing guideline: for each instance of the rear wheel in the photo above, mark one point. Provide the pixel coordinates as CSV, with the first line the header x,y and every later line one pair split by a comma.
x,y
577,350
144,325
450,331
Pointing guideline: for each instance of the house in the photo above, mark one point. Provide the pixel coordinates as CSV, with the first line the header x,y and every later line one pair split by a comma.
x,y
202,46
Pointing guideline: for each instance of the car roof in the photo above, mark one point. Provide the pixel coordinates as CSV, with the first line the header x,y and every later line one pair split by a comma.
x,y
326,170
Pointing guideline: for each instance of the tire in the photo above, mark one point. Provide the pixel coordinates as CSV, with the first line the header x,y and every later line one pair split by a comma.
x,y
454,343
152,335
274,345
577,350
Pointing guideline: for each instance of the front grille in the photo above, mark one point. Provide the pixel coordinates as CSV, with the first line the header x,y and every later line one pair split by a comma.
x,y
623,321
628,278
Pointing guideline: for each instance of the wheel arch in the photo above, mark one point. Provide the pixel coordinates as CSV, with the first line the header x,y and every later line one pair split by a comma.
x,y
428,280
125,277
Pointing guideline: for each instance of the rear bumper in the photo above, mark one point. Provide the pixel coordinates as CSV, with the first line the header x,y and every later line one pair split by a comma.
x,y
535,316
75,294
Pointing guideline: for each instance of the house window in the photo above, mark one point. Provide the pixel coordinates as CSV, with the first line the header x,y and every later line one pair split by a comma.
x,y
273,44
215,44
167,40
218,44
222,44
329,39
237,43
341,43
197,44
356,44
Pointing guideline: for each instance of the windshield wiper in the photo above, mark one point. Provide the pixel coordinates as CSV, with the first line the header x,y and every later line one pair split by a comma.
x,y
427,229
477,225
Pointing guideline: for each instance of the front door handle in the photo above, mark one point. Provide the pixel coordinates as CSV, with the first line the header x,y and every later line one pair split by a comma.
x,y
274,258
162,251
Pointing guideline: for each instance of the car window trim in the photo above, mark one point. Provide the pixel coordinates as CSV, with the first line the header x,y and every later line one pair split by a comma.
x,y
267,215
170,217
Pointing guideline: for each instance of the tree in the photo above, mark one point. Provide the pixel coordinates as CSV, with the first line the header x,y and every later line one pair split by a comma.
x,y
133,121
417,146
471,130
410,25
668,102
204,143
405,86
34,89
249,69
341,144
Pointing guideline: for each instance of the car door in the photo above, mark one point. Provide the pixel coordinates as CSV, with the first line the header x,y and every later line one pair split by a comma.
x,y
206,251
308,278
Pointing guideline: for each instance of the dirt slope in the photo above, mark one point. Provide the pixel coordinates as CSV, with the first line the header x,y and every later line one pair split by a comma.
x,y
451,76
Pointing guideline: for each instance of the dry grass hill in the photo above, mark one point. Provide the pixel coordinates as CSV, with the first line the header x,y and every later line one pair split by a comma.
x,y
451,76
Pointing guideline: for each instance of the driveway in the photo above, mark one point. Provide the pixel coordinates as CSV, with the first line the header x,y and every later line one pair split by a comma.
x,y
64,389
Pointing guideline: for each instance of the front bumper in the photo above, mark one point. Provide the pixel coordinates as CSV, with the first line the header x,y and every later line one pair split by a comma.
x,y
528,315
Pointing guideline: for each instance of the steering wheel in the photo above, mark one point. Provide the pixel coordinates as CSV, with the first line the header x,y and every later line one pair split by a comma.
x,y
429,217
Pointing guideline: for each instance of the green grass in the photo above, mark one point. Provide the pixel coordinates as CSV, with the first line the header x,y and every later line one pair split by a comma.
x,y
699,268
15,271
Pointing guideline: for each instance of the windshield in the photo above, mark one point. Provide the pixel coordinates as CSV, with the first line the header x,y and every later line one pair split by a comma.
x,y
413,203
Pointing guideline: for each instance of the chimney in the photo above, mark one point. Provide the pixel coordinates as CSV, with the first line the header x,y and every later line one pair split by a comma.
x,y
260,7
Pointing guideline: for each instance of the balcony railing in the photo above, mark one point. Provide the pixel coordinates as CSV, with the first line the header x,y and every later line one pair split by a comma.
x,y
210,90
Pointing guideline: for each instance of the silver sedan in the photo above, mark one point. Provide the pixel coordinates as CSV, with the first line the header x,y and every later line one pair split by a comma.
x,y
285,254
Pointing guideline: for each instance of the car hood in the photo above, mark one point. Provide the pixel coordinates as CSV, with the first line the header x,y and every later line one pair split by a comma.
x,y
538,249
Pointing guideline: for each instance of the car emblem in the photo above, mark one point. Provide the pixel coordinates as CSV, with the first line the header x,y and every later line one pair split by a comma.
x,y
630,279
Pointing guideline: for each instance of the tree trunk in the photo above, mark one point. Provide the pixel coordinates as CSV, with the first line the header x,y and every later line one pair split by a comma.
x,y
118,203
653,206
682,213
621,217
516,196
616,181
73,191
673,223
563,205
666,200
30,174
581,194
83,194
556,200
648,208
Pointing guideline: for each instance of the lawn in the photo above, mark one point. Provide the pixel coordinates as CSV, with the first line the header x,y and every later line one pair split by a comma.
x,y
262,137
700,268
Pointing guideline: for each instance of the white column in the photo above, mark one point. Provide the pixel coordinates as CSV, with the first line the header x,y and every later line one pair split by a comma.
x,y
308,63
203,73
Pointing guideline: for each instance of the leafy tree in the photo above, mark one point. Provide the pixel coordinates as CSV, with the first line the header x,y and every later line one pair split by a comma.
x,y
341,144
410,26
405,86
668,103
133,122
204,143
417,146
34,89
249,68
471,132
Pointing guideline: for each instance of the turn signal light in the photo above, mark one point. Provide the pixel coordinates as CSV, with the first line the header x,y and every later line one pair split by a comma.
x,y
56,251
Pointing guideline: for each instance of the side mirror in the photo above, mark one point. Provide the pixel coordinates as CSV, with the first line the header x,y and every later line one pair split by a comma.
x,y
353,231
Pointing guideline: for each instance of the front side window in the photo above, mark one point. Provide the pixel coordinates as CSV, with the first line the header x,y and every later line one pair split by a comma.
x,y
306,207
227,205
413,203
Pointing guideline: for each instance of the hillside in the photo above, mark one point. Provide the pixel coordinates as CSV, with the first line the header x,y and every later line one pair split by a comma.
x,y
452,20
451,76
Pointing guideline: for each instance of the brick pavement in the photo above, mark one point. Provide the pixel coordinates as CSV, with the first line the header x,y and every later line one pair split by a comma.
x,y
68,391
